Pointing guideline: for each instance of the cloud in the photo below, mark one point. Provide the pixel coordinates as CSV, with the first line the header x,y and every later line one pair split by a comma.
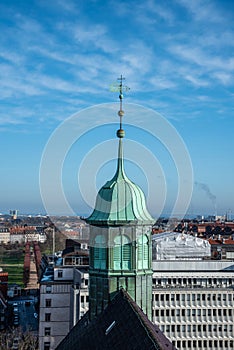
x,y
196,81
202,10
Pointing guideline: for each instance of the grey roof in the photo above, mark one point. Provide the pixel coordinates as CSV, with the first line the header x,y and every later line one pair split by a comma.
x,y
122,325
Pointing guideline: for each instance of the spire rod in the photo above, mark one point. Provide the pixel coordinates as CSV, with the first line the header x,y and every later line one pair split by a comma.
x,y
121,112
121,88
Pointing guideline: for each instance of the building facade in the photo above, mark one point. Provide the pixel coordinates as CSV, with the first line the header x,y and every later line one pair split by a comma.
x,y
193,303
63,299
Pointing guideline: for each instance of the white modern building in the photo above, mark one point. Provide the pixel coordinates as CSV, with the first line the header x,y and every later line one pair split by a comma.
x,y
193,296
193,303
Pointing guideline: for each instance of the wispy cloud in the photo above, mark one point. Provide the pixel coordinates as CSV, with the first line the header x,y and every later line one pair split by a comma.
x,y
202,10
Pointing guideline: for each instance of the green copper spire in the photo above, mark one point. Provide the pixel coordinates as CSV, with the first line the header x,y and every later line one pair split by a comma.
x,y
120,238
120,201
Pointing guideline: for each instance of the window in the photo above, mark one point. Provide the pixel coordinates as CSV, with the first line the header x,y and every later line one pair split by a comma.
x,y
99,252
60,273
47,317
48,289
48,302
122,253
47,346
47,331
143,252
82,298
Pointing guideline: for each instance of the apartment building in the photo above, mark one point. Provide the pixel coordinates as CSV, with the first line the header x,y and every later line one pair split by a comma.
x,y
63,298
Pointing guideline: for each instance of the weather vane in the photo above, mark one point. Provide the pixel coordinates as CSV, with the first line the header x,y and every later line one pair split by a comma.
x,y
120,88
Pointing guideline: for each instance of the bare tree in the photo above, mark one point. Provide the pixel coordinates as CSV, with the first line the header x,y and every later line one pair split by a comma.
x,y
16,339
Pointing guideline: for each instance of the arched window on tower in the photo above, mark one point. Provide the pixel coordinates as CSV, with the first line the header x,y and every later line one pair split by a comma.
x,y
99,252
122,253
143,252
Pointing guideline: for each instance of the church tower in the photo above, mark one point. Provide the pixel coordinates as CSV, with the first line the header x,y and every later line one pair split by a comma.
x,y
120,239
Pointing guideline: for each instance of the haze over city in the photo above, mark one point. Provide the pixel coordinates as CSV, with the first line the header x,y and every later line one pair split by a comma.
x,y
61,58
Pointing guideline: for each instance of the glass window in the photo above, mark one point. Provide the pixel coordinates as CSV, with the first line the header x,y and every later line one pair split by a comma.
x,y
47,346
60,273
47,317
48,289
47,331
48,303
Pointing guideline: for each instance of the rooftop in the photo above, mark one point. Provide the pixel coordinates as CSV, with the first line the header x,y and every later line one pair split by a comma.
x,y
122,325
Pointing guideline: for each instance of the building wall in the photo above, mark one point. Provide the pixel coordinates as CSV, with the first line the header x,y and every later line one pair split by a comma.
x,y
55,302
68,298
195,310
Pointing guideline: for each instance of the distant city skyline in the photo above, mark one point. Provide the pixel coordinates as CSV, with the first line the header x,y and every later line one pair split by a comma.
x,y
60,58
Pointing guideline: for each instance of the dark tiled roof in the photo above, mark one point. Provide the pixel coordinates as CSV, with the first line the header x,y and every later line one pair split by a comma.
x,y
122,325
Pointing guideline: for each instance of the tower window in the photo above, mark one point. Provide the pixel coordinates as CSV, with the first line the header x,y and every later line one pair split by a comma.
x,y
143,252
99,252
122,253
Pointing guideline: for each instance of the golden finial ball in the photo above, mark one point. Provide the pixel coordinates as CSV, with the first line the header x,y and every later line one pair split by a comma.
x,y
120,133
120,113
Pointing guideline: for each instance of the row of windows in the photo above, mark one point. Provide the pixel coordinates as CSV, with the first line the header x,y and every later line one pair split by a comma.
x,y
122,252
194,281
201,344
83,298
193,312
193,297
188,328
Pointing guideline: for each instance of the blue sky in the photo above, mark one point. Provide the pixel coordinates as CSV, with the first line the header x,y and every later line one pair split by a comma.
x,y
60,57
